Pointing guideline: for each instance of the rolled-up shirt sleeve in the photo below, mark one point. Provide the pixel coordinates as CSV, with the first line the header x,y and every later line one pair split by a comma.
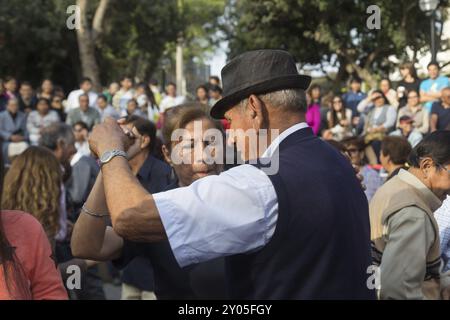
x,y
235,212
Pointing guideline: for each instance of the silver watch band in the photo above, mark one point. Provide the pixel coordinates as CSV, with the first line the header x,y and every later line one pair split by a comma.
x,y
107,156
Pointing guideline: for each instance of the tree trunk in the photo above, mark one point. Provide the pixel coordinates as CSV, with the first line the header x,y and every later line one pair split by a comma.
x,y
87,37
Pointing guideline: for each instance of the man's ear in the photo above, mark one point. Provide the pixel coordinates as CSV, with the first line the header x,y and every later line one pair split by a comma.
x,y
255,108
145,142
425,166
166,154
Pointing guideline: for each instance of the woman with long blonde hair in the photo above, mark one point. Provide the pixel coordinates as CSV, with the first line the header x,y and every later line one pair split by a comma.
x,y
33,184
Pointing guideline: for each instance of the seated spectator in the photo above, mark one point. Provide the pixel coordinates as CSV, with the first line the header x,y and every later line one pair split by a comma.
x,y
171,99
339,120
46,90
355,148
440,113
430,89
57,106
30,273
201,95
40,118
27,100
84,113
13,128
154,88
84,172
105,109
352,98
215,94
406,130
125,93
380,119
133,109
112,90
394,155
313,116
391,94
73,100
9,92
81,133
409,82
414,109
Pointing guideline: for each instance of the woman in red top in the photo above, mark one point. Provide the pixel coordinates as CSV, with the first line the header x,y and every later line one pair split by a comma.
x,y
27,269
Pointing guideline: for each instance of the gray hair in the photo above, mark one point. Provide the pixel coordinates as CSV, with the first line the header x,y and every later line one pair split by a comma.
x,y
52,134
293,100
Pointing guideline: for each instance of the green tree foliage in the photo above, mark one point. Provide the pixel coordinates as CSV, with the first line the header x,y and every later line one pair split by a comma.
x,y
35,42
333,32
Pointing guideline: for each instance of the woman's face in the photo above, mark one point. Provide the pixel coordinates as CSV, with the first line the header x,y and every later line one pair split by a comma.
x,y
201,94
378,101
404,72
384,86
194,148
131,107
355,154
315,93
337,104
42,107
47,86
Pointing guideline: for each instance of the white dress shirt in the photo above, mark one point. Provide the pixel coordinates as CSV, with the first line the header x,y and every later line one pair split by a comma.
x,y
73,102
234,212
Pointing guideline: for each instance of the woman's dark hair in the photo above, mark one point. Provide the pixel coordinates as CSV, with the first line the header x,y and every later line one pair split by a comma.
x,y
149,94
386,101
354,141
337,145
103,97
397,148
82,124
312,87
436,146
410,67
204,87
334,114
41,99
13,273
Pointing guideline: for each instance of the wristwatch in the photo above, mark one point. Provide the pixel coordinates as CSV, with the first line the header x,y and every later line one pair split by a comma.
x,y
108,155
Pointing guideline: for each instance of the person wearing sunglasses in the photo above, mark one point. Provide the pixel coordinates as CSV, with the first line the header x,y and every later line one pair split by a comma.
x,y
404,232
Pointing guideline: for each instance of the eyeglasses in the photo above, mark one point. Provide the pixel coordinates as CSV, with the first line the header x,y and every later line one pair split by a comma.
x,y
337,101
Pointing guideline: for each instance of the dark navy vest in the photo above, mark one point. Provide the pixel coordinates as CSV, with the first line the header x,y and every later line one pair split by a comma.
x,y
321,245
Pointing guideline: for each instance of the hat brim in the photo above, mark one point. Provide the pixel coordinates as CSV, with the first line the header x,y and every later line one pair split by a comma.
x,y
285,82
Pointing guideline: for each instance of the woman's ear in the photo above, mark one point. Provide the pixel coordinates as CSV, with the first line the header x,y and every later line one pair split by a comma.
x,y
166,154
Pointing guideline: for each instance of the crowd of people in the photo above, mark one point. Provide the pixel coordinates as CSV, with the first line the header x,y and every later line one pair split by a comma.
x,y
52,173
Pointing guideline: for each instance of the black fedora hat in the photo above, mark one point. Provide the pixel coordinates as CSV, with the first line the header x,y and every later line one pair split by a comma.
x,y
257,72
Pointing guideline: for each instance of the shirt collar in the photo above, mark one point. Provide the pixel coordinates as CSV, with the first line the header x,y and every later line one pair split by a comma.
x,y
276,142
431,199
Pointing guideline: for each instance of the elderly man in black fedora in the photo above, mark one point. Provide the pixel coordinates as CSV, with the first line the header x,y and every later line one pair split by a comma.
x,y
299,232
